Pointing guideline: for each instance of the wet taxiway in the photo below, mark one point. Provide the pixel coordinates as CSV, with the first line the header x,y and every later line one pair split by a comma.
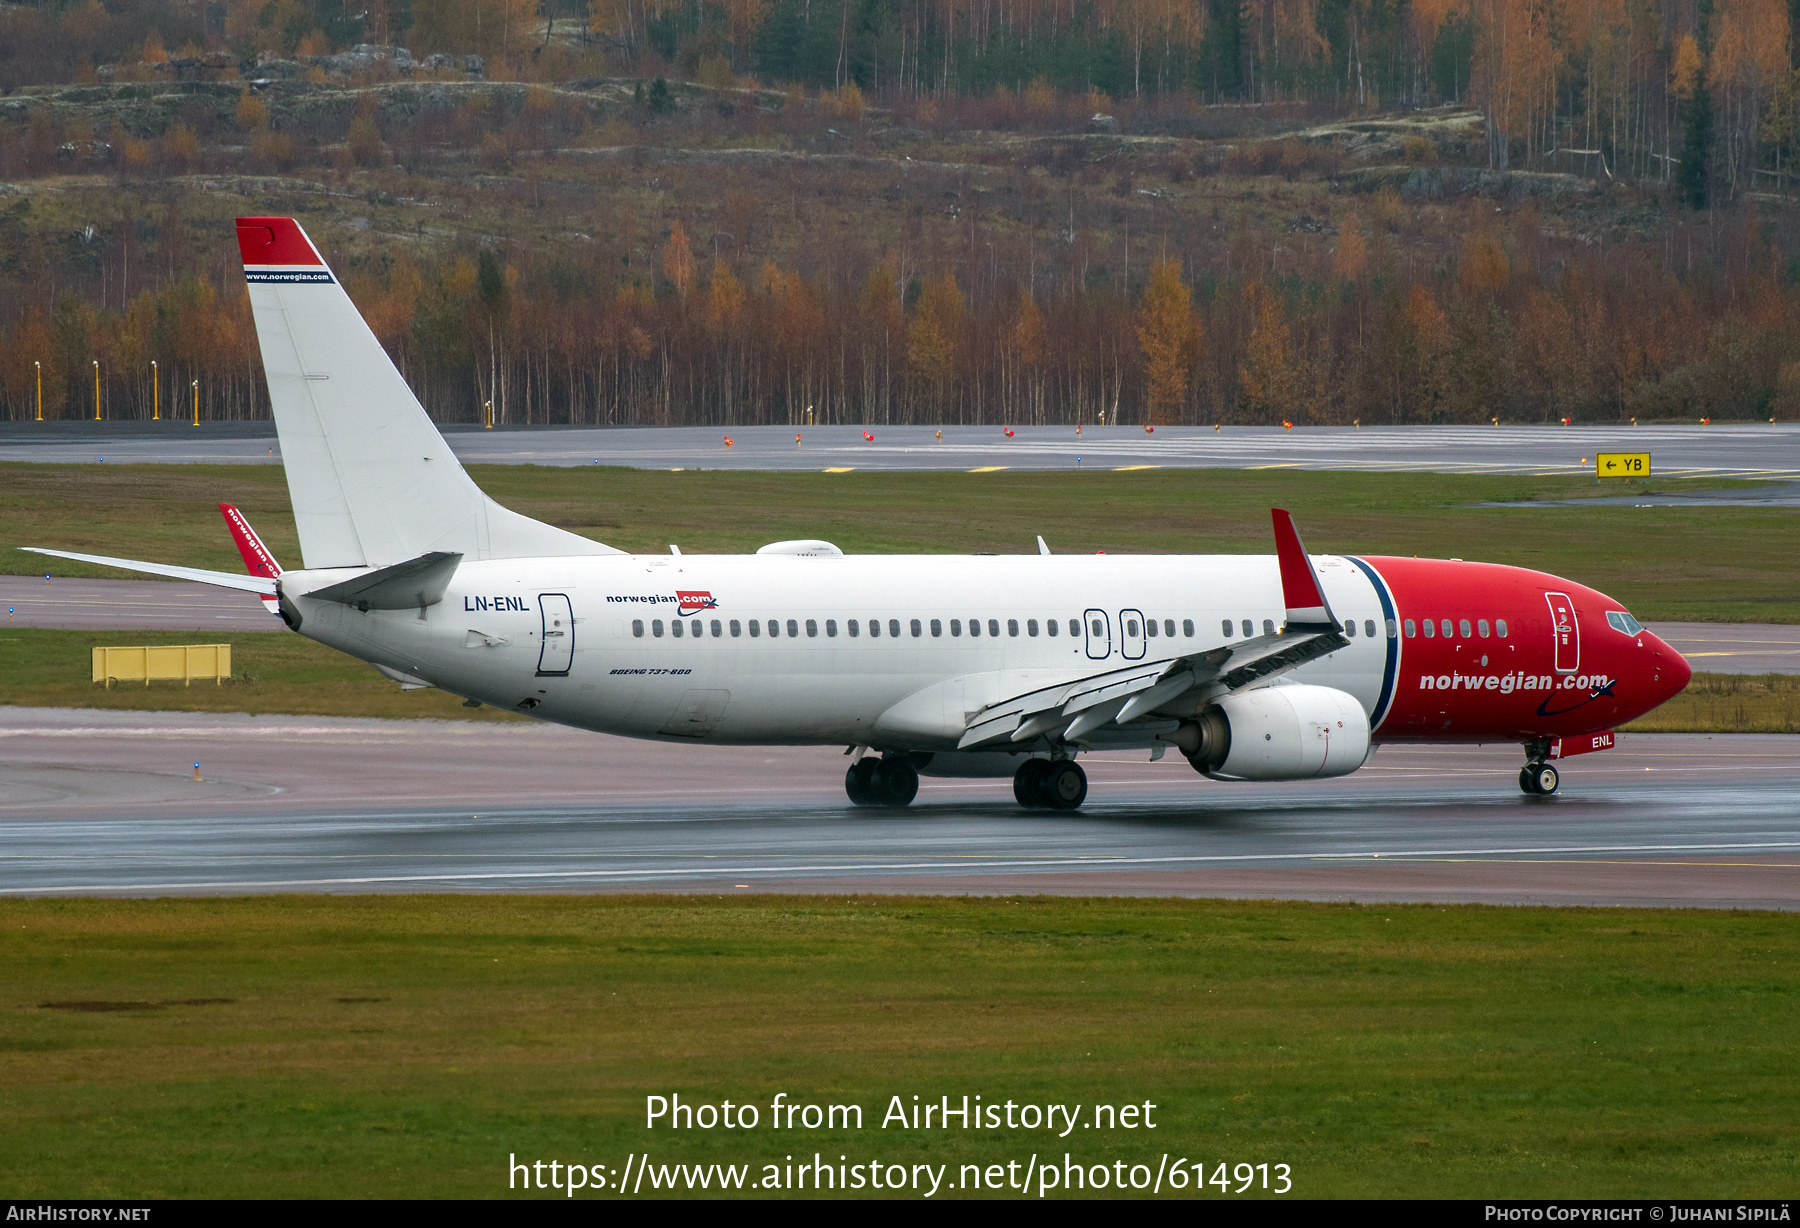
x,y
106,803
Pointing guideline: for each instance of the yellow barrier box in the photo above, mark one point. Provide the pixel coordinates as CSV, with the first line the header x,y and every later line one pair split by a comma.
x,y
184,661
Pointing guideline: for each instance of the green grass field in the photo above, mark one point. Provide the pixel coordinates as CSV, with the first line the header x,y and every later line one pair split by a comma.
x,y
400,1046
1678,564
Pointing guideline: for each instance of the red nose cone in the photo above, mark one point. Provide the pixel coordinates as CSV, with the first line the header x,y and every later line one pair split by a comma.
x,y
1672,670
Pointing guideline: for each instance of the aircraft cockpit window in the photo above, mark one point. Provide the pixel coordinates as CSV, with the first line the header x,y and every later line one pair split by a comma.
x,y
736,628
1012,626
1500,626
1031,626
1623,622
1369,627
917,630
1249,628
1464,628
656,627
637,627
1187,628
1481,627
1268,626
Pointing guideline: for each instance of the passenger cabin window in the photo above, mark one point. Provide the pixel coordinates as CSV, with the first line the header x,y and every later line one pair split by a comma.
x,y
1169,628
917,630
1500,626
1031,626
736,628
715,629
831,627
993,626
1268,626
1350,629
1445,624
812,628
974,626
875,628
1098,627
1410,629
1187,628
656,627
794,629
755,628
1481,627
637,627
851,626
1249,628
894,627
956,626
1464,627
1150,627
675,628
1052,625
1131,626
1225,626
1369,627
1012,627
1431,629
937,627
1074,626
1390,629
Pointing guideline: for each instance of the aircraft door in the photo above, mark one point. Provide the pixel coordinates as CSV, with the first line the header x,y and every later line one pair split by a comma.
x,y
1131,635
1567,632
1098,628
559,634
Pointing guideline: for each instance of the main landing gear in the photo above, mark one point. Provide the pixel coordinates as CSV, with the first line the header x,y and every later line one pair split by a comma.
x,y
1539,779
882,782
1059,784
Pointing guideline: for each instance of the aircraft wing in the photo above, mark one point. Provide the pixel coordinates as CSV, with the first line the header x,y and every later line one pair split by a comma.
x,y
1077,705
224,579
1071,708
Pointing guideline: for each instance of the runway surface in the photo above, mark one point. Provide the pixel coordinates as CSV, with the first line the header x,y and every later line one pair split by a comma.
x,y
1737,450
105,803
138,605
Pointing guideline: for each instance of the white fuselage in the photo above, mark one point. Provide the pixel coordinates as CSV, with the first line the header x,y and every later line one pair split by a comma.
x,y
779,649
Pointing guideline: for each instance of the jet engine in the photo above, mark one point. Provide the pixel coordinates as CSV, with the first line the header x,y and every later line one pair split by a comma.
x,y
1277,733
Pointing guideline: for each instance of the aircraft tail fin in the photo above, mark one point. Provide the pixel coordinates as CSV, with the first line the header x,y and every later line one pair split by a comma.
x,y
372,481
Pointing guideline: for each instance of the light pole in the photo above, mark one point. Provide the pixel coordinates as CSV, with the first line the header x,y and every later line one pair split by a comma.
x,y
155,398
196,402
96,390
40,388
489,406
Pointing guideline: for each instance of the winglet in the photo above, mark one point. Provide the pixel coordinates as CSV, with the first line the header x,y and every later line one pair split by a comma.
x,y
257,559
1300,590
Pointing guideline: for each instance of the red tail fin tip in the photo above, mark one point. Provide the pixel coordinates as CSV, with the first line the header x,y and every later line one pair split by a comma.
x,y
1300,590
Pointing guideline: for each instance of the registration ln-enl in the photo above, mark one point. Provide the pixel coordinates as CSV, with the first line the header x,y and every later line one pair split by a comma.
x,y
1277,667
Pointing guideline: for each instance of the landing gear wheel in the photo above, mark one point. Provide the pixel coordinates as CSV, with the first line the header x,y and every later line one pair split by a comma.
x,y
1065,785
1539,779
896,783
859,783
1028,783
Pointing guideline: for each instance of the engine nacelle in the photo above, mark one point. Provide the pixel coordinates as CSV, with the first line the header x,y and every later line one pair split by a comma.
x,y
1278,733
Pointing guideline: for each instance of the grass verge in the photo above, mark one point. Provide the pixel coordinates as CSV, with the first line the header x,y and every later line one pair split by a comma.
x,y
279,672
1675,564
402,1046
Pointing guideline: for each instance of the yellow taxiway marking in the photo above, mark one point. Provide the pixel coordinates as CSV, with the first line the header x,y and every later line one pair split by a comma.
x,y
846,469
990,469
1131,468
1285,465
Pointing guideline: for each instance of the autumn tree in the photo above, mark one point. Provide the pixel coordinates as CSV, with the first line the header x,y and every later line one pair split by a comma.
x,y
934,340
1272,376
1167,332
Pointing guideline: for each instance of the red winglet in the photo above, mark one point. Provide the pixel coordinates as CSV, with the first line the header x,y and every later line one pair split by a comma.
x,y
275,240
257,559
1300,590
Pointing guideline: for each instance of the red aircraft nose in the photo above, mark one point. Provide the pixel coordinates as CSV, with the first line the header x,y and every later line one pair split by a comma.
x,y
1672,669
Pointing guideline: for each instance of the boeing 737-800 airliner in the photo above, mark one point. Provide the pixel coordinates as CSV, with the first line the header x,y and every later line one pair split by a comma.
x,y
1280,667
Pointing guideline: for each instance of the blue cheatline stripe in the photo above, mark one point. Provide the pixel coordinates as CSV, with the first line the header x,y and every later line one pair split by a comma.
x,y
309,278
1391,670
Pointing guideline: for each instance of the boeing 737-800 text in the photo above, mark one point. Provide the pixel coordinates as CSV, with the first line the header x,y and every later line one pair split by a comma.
x,y
1278,667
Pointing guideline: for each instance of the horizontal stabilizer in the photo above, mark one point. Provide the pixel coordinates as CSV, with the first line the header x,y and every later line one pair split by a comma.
x,y
411,585
224,579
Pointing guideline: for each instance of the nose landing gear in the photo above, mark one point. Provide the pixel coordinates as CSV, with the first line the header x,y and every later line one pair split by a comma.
x,y
1539,779
882,782
1058,784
